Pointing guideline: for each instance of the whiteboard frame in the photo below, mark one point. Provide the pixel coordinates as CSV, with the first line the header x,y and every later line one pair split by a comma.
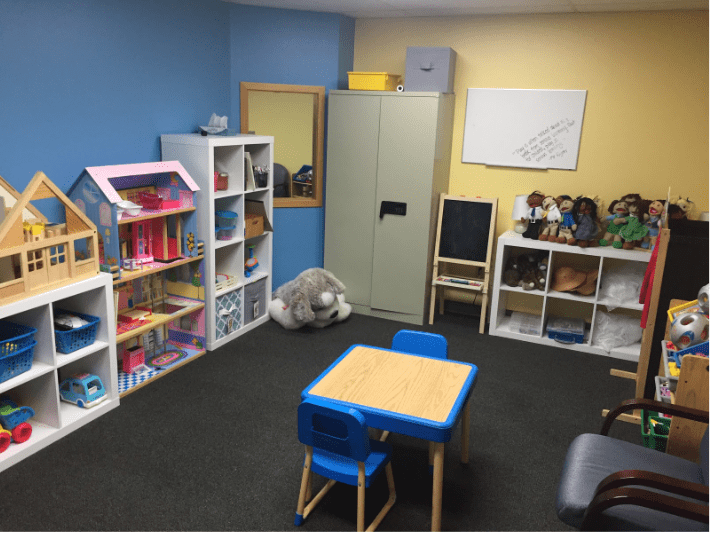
x,y
527,128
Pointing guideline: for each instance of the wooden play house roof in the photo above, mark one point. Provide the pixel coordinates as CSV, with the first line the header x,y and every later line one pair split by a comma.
x,y
12,195
40,187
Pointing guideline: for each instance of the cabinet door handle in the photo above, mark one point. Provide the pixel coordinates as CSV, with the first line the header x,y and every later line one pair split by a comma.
x,y
394,208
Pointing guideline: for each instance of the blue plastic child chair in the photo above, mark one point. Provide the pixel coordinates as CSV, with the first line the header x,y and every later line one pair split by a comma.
x,y
424,343
434,345
338,447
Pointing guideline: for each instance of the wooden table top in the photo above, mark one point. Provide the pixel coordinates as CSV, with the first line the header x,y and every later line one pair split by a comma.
x,y
412,385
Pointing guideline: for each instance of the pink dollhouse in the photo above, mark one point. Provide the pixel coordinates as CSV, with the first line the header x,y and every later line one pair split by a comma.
x,y
144,212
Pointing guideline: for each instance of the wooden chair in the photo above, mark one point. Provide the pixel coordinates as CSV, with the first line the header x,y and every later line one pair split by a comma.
x,y
338,448
610,484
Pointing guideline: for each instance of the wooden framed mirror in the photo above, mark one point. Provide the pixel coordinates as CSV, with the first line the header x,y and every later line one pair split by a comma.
x,y
294,115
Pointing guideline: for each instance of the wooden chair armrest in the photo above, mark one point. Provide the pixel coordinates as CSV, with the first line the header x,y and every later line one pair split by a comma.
x,y
636,477
649,404
645,498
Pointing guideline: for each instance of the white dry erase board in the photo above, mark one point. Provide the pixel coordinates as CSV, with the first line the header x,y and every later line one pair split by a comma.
x,y
533,128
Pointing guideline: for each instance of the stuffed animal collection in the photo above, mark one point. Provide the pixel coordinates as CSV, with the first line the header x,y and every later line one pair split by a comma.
x,y
314,298
528,271
631,221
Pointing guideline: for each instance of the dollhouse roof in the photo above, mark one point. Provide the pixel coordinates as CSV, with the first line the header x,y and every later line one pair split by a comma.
x,y
12,195
102,175
40,187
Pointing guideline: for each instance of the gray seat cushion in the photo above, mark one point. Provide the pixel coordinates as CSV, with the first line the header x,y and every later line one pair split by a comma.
x,y
592,457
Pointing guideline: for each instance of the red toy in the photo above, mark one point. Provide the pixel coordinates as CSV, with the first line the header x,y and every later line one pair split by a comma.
x,y
14,418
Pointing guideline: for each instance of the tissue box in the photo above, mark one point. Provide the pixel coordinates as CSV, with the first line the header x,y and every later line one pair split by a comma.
x,y
430,69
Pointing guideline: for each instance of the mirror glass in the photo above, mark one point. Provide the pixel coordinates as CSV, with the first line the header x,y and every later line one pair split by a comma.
x,y
294,115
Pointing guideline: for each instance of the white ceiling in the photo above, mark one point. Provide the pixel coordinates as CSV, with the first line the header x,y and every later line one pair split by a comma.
x,y
445,8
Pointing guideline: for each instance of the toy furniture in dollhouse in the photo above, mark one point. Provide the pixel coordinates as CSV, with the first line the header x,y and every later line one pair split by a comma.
x,y
160,314
36,255
133,358
156,262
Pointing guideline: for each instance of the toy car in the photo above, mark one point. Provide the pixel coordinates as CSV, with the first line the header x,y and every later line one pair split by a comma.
x,y
5,439
85,390
13,419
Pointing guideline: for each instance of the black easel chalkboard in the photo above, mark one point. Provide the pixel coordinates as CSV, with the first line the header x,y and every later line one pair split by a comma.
x,y
465,228
465,236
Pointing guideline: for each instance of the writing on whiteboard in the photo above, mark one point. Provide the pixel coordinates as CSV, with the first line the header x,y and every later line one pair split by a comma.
x,y
547,144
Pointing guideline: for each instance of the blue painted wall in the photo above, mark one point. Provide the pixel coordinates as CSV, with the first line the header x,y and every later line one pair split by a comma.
x,y
97,83
301,48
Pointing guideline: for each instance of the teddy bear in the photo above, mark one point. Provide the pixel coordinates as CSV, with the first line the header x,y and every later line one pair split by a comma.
x,y
314,298
542,273
532,270
512,274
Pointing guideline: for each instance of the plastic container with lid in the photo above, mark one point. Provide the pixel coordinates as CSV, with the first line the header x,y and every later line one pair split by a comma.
x,y
566,329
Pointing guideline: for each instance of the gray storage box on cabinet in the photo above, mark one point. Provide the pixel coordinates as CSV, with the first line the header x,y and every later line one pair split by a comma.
x,y
255,304
430,69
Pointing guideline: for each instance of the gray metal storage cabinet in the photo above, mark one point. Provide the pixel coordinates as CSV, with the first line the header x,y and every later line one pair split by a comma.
x,y
385,146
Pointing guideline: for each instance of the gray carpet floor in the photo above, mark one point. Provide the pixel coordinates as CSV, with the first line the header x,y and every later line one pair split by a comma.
x,y
212,446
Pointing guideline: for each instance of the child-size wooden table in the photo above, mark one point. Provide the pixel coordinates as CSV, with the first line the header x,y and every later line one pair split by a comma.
x,y
409,394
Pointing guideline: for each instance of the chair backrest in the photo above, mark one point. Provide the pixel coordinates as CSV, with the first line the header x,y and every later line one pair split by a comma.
x,y
281,178
425,343
334,428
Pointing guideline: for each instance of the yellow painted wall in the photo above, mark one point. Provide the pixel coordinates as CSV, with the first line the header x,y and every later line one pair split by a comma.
x,y
646,123
289,118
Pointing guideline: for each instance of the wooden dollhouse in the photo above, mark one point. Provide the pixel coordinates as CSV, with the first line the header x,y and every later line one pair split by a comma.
x,y
147,223
37,255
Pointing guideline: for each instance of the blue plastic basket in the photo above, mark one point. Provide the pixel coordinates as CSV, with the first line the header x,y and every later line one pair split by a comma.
x,y
17,362
14,337
68,341
702,348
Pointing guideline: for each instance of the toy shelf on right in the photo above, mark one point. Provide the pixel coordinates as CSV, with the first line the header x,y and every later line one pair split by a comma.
x,y
235,203
550,313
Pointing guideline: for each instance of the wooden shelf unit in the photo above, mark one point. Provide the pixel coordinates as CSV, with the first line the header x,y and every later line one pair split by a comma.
x,y
506,298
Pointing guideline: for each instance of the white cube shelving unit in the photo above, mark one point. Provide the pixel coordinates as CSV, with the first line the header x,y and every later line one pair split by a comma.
x,y
234,303
38,387
545,303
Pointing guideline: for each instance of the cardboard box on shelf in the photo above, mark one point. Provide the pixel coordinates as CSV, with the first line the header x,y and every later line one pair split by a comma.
x,y
253,225
256,221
